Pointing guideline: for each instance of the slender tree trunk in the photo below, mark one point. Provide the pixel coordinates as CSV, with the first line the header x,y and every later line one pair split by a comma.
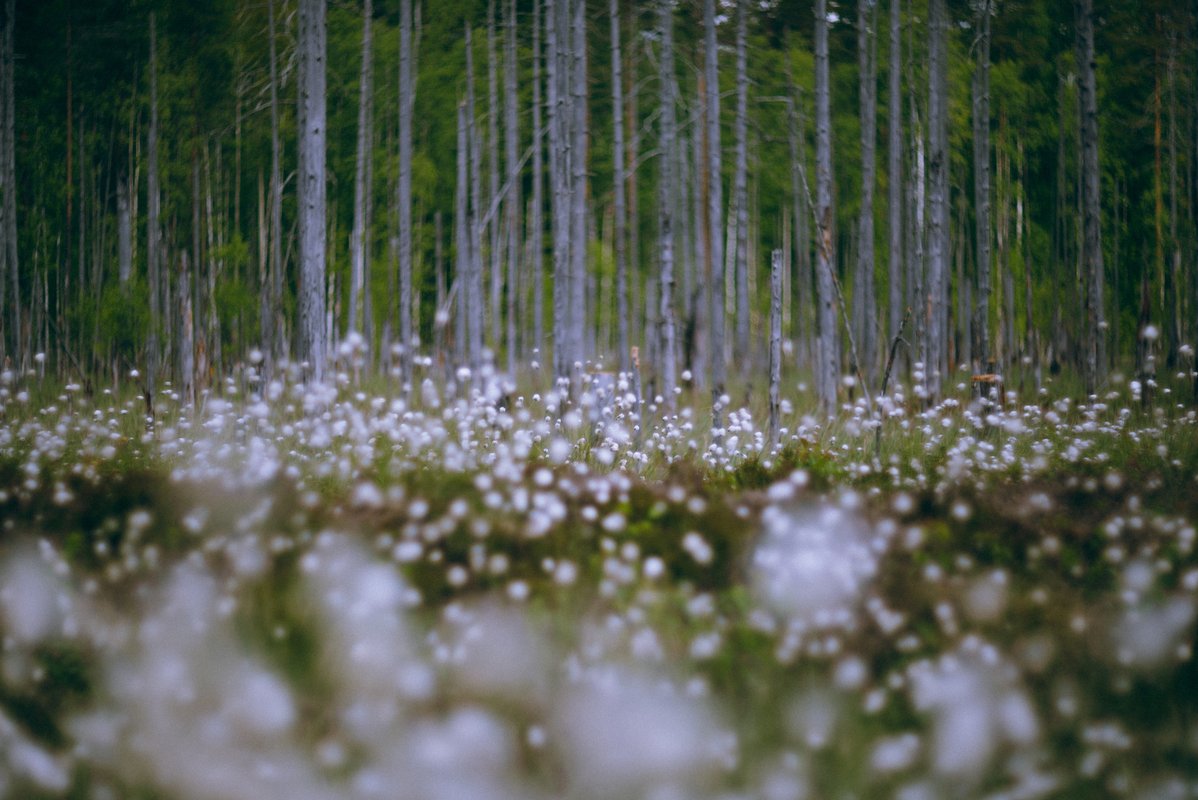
x,y
153,200
124,234
273,339
557,169
536,225
895,166
775,343
1174,288
186,333
981,183
741,191
1095,324
362,200
938,208
311,210
620,207
713,229
865,294
828,362
462,270
665,212
474,286
511,146
8,179
495,267
407,91
578,196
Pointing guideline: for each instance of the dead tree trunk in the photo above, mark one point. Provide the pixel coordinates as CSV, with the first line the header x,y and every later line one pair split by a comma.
x,y
312,185
357,246
828,361
665,209
1095,325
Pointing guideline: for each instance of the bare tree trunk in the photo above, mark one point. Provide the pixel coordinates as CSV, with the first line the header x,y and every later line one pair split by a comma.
x,y
895,178
311,119
828,362
511,146
362,201
1174,288
740,190
462,271
495,252
714,239
8,180
557,180
864,295
124,234
938,209
474,286
536,225
775,343
407,93
1095,325
666,204
153,200
578,196
620,208
186,334
981,183
273,339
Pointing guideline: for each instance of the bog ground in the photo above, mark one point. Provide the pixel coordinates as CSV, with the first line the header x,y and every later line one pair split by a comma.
x,y
334,592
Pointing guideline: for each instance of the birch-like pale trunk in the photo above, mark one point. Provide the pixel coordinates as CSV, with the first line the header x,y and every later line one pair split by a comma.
x,y
511,141
404,188
578,193
938,208
8,172
557,182
864,294
981,184
536,226
665,211
362,201
740,189
1094,336
124,234
828,345
495,267
274,339
186,333
713,230
619,201
895,178
474,285
775,344
311,206
461,234
153,200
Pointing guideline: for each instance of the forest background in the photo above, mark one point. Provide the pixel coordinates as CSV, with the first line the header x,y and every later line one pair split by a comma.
x,y
151,169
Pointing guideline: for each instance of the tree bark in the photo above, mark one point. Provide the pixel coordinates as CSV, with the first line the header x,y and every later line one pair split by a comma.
x,y
981,183
665,211
362,200
865,295
578,196
828,362
8,179
511,146
153,200
895,178
1095,324
775,343
619,201
311,119
404,187
474,285
713,239
938,208
273,338
740,189
536,225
